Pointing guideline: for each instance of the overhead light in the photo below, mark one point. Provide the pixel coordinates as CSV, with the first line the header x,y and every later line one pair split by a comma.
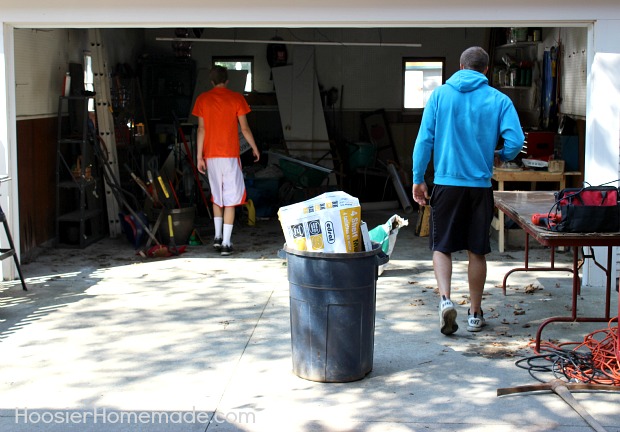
x,y
375,44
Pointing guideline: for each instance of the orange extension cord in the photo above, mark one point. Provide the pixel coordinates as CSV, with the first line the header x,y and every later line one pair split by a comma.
x,y
604,346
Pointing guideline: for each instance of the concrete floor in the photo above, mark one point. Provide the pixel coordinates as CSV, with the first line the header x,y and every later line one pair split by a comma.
x,y
105,340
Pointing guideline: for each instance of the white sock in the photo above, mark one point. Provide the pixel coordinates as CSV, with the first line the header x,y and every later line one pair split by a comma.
x,y
218,222
227,234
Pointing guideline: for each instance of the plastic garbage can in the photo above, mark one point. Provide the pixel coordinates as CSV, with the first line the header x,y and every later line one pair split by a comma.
x,y
332,311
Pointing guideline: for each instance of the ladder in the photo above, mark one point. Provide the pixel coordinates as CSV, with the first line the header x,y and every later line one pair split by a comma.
x,y
105,122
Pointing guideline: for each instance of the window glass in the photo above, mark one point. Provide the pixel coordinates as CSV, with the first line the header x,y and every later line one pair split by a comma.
x,y
238,63
420,77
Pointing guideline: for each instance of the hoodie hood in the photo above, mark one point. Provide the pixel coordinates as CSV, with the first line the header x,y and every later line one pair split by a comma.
x,y
466,80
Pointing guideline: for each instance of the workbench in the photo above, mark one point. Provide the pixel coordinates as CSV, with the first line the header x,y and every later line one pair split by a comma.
x,y
508,175
520,206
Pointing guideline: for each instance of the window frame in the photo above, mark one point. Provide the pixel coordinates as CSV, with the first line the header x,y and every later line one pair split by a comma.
x,y
237,58
405,60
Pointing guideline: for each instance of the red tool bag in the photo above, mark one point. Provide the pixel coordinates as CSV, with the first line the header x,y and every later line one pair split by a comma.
x,y
587,209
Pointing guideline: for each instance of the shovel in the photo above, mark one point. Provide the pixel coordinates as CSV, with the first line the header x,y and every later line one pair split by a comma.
x,y
172,245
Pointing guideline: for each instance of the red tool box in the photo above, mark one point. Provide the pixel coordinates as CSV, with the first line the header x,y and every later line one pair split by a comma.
x,y
538,144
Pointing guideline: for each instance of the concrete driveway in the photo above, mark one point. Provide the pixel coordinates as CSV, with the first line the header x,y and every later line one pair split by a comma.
x,y
105,340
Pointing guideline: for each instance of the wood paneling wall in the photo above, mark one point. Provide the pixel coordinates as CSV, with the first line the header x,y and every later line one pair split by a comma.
x,y
36,152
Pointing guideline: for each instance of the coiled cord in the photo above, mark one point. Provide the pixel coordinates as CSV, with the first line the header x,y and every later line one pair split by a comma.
x,y
596,360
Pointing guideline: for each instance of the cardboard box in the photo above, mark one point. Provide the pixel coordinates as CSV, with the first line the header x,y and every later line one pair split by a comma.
x,y
327,223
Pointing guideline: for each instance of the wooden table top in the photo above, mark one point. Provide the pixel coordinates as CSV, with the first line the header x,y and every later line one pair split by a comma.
x,y
529,175
520,206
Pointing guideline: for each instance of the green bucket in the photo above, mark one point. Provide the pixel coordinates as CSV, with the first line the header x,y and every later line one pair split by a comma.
x,y
361,155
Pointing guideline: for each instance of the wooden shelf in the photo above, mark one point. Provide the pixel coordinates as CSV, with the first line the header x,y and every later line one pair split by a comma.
x,y
515,87
523,44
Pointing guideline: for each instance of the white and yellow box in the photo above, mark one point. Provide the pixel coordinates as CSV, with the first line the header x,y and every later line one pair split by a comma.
x,y
327,223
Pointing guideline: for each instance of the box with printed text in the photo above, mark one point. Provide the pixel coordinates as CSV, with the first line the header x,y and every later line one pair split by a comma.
x,y
327,223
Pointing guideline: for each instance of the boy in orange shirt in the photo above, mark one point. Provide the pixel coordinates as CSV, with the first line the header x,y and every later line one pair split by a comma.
x,y
219,110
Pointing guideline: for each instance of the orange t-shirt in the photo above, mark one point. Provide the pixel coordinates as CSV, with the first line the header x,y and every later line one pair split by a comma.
x,y
219,109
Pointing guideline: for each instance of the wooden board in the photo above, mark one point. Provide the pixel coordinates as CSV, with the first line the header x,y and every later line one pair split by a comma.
x,y
423,228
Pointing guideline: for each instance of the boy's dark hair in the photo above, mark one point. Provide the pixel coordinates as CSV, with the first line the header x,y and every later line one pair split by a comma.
x,y
218,75
475,58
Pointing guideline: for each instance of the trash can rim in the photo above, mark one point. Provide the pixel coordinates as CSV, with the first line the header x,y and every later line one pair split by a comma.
x,y
376,249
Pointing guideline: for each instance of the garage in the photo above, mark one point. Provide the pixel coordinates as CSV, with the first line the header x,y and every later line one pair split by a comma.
x,y
198,343
358,71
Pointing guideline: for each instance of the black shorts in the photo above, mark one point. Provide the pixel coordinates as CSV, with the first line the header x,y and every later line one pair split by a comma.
x,y
461,219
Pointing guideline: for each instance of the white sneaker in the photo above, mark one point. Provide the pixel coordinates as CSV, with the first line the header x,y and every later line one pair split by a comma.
x,y
475,322
447,316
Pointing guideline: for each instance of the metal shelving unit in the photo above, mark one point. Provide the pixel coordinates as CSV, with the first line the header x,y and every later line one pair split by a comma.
x,y
80,217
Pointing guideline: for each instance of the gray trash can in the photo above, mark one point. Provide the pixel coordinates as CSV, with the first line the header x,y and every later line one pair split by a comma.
x,y
332,301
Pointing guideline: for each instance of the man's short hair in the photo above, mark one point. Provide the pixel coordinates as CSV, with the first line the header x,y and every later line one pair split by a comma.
x,y
218,75
475,58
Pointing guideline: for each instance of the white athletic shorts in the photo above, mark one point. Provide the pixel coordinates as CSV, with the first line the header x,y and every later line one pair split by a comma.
x,y
226,181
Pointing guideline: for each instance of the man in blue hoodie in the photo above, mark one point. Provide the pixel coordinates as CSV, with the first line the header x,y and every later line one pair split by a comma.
x,y
461,127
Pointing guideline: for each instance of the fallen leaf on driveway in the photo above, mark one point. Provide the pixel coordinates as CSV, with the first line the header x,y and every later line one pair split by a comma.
x,y
531,289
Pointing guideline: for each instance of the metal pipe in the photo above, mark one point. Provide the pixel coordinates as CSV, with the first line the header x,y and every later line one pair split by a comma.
x,y
400,191
284,42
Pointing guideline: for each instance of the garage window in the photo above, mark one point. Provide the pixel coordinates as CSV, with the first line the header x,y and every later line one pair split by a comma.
x,y
420,77
237,64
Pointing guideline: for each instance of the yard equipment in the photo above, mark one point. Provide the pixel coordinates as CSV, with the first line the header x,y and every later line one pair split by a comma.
x,y
135,222
190,161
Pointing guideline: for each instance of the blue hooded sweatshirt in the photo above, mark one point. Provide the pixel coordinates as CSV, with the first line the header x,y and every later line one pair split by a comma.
x,y
461,125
